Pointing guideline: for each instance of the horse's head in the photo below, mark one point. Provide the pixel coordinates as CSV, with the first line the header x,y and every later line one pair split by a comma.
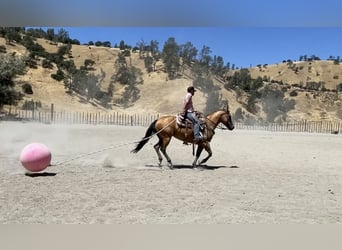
x,y
221,116
227,118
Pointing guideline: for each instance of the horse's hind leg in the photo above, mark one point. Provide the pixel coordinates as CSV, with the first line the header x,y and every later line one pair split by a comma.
x,y
163,146
167,157
157,147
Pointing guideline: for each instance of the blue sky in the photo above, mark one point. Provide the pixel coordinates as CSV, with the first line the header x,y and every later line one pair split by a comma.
x,y
243,32
242,46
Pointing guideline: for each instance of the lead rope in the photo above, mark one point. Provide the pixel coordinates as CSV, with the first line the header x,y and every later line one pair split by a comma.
x,y
108,148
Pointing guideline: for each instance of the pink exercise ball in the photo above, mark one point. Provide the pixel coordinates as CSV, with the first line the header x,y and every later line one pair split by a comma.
x,y
35,157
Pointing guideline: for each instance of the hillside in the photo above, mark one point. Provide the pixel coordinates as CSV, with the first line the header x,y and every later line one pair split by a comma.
x,y
310,104
160,95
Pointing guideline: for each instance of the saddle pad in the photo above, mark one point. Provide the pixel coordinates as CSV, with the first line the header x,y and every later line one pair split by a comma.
x,y
183,122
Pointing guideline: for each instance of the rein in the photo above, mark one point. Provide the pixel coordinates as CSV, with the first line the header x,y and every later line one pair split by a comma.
x,y
217,125
167,125
108,148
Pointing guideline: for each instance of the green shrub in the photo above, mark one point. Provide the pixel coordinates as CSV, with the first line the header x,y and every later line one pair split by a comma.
x,y
3,49
47,64
27,88
59,76
293,93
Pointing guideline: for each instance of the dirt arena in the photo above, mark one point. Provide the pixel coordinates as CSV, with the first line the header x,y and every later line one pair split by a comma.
x,y
253,177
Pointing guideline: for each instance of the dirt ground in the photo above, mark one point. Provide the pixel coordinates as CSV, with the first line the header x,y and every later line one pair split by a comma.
x,y
253,177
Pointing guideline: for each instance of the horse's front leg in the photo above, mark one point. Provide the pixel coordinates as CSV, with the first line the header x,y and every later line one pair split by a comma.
x,y
198,153
210,153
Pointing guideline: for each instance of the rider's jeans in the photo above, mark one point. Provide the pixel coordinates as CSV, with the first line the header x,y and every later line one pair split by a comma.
x,y
192,116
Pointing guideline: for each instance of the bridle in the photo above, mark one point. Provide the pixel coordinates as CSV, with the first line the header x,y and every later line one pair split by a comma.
x,y
216,124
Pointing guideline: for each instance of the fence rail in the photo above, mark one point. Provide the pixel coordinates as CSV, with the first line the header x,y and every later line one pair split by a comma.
x,y
296,126
117,118
114,118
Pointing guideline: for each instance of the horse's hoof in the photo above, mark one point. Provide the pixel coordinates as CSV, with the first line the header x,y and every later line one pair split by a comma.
x,y
170,165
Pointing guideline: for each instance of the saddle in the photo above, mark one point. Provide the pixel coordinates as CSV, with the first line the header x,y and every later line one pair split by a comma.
x,y
186,123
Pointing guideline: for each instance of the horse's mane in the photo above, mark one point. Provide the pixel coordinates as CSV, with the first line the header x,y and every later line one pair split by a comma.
x,y
216,111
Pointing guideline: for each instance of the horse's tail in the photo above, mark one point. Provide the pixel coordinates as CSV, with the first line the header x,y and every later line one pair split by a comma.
x,y
149,132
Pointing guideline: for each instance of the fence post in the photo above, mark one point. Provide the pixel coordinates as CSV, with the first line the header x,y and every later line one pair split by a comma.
x,y
52,108
305,126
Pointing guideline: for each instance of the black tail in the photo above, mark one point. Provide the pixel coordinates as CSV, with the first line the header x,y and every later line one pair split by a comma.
x,y
150,131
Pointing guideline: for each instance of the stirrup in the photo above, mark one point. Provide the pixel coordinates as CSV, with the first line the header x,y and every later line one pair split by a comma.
x,y
201,138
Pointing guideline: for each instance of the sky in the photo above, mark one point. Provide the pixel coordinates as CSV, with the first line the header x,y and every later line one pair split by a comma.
x,y
244,32
242,46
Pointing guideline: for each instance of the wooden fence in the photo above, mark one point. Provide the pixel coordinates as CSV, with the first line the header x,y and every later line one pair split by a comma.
x,y
113,118
117,118
296,126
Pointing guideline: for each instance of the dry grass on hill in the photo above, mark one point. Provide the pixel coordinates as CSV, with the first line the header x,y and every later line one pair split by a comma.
x,y
160,95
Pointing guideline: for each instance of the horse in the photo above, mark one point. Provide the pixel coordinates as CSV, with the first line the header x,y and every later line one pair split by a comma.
x,y
167,127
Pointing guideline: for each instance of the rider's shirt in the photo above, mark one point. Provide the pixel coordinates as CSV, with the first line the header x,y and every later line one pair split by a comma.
x,y
187,103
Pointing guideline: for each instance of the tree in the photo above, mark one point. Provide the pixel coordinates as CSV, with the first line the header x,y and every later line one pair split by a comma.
x,y
337,60
205,57
141,45
70,71
171,58
252,101
11,34
125,74
36,33
106,44
27,88
339,87
111,89
188,53
240,79
98,43
121,69
217,66
129,76
50,33
90,86
75,41
155,53
122,45
88,64
64,50
133,76
10,67
148,63
62,36
59,76
154,48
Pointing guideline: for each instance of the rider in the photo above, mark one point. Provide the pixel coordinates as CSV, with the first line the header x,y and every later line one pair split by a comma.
x,y
189,112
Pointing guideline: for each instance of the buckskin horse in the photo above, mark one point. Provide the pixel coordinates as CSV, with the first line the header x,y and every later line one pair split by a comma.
x,y
167,127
